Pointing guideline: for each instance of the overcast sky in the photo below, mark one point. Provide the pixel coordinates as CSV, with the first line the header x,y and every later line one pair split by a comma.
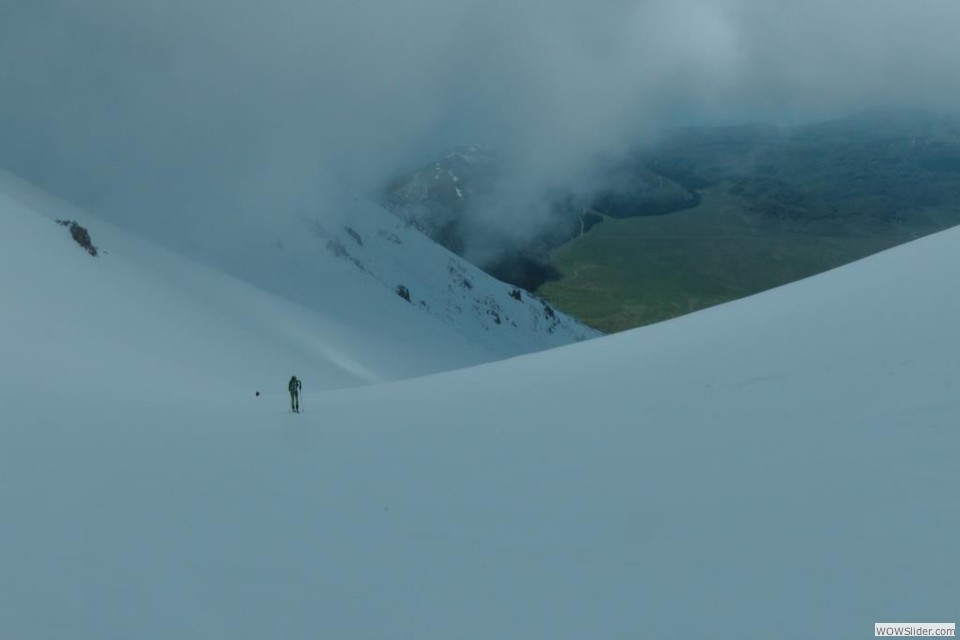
x,y
174,109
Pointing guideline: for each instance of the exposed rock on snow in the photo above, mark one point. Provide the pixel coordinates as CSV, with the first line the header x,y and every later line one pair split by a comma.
x,y
80,235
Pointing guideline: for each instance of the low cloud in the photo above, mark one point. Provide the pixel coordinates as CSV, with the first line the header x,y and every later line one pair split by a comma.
x,y
180,112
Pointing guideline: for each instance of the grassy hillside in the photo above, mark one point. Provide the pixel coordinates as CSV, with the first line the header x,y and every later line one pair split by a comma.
x,y
636,271
776,205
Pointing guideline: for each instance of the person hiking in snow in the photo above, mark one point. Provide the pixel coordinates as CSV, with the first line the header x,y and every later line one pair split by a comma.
x,y
294,387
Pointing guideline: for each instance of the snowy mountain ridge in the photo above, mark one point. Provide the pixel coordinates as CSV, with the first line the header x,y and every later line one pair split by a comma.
x,y
502,317
335,286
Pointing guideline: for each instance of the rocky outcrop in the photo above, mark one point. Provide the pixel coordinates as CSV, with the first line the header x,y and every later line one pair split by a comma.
x,y
80,235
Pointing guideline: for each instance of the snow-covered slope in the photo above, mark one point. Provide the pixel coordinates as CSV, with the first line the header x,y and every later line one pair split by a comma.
x,y
779,467
504,319
324,298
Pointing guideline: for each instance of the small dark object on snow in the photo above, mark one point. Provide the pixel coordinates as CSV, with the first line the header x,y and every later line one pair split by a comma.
x,y
403,292
258,394
353,234
80,235
547,309
515,294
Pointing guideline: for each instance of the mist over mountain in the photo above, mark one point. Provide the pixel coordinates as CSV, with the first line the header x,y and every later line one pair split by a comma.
x,y
466,458
211,111
774,205
885,174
